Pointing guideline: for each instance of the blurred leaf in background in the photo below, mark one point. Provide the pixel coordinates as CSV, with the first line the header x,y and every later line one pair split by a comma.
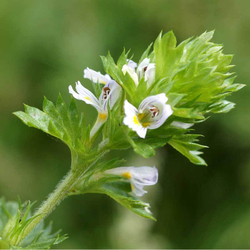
x,y
45,45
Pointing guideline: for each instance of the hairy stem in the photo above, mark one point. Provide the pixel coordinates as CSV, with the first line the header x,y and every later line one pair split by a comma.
x,y
53,200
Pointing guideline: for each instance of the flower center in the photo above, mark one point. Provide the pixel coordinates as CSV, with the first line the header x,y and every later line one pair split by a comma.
x,y
146,117
154,111
106,92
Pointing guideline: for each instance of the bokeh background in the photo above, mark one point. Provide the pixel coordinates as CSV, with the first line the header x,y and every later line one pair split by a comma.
x,y
45,45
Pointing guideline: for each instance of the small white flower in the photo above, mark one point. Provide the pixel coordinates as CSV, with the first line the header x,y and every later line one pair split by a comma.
x,y
96,77
131,72
110,94
137,176
146,70
151,114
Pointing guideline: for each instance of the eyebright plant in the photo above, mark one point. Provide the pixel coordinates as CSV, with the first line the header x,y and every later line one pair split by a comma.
x,y
143,105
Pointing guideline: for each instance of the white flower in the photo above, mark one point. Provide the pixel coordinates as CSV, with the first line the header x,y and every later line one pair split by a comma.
x,y
137,176
96,77
146,70
110,94
131,72
151,114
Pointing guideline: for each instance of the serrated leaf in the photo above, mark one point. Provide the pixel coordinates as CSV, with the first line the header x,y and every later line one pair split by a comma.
x,y
189,150
112,69
59,121
164,49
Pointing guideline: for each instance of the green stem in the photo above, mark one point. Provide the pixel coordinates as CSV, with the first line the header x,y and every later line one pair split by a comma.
x,y
54,199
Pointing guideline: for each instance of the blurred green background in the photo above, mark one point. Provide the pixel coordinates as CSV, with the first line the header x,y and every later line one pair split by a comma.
x,y
45,45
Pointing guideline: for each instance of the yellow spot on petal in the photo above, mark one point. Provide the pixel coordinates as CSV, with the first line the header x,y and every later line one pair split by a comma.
x,y
102,117
132,187
143,117
135,120
145,124
102,81
140,116
87,98
127,175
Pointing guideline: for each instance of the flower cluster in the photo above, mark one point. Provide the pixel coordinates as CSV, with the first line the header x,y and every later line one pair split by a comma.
x,y
151,113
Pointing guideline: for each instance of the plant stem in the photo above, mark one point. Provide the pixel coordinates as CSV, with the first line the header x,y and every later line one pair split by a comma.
x,y
53,200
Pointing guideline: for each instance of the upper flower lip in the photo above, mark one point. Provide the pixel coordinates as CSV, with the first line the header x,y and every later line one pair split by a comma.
x,y
131,64
85,95
96,76
110,93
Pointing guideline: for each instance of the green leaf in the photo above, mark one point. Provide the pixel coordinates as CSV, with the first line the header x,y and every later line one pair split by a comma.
x,y
144,150
59,121
112,69
132,203
145,54
122,59
165,56
188,148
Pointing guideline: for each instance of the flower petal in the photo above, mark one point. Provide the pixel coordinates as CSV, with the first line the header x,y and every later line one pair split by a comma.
x,y
143,64
138,176
160,98
85,95
138,189
145,175
140,69
158,101
131,64
131,119
150,74
112,95
96,76
131,72
166,112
